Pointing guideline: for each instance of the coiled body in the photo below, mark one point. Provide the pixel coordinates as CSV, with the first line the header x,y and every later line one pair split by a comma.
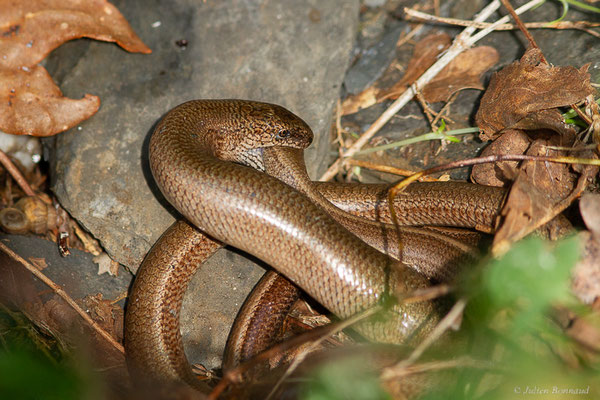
x,y
195,157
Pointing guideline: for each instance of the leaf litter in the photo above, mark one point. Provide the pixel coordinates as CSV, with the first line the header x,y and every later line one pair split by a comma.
x,y
30,101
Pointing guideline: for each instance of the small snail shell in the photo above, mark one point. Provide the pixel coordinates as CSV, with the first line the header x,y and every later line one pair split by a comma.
x,y
30,214
13,221
41,216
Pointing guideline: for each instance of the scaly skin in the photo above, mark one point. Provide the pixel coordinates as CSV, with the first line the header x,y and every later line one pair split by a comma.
x,y
192,155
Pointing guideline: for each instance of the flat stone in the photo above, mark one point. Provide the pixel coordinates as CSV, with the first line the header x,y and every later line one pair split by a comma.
x,y
290,53
77,274
373,62
208,309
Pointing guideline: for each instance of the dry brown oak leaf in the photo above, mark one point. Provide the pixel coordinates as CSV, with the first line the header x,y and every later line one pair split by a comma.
x,y
540,192
31,29
464,72
424,55
30,102
521,91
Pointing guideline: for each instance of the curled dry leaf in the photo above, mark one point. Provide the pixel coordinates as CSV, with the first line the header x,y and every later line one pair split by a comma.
x,y
30,30
32,104
526,87
424,55
540,193
500,174
525,96
464,72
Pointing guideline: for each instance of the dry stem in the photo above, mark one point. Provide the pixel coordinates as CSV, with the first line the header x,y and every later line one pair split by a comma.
x,y
579,25
16,174
443,326
462,42
63,295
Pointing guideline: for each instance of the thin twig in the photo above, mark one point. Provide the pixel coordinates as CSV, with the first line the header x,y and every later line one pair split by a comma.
x,y
445,111
579,25
387,169
462,362
63,295
488,159
16,174
524,8
443,326
522,27
429,112
316,335
302,356
428,293
462,42
409,35
338,124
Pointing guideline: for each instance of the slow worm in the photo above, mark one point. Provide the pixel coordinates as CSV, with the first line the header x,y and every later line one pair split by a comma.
x,y
209,159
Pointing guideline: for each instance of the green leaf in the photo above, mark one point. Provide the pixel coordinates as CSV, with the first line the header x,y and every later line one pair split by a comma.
x,y
342,380
564,13
532,274
583,6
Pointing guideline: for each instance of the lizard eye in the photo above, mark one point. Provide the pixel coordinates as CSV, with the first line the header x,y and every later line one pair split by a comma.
x,y
283,134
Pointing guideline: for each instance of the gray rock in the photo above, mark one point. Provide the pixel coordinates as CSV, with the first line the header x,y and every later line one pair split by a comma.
x,y
287,52
290,53
208,309
77,274
375,3
373,62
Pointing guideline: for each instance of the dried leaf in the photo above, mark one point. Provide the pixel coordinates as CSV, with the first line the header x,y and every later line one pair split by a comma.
x,y
551,119
464,72
106,314
364,99
30,30
586,275
30,103
501,173
38,262
106,264
529,86
425,54
540,192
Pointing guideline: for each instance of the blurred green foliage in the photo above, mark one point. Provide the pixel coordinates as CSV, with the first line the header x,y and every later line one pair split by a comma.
x,y
508,323
344,380
508,327
34,365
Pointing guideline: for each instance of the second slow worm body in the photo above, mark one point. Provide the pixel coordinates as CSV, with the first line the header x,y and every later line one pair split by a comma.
x,y
193,156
